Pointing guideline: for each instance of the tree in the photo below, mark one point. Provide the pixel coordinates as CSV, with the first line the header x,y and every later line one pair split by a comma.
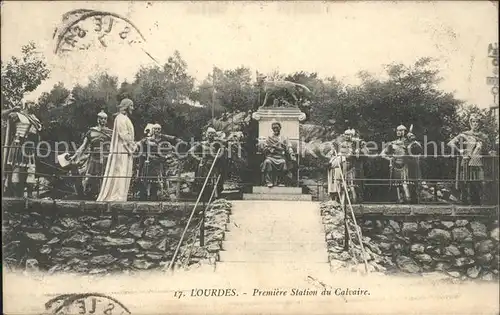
x,y
50,100
22,75
160,94
234,90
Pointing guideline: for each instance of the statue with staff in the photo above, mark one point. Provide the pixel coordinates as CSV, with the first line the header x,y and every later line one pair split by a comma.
x,y
96,143
471,145
212,148
156,149
348,149
403,165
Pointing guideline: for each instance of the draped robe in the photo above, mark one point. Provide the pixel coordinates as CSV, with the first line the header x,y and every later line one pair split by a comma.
x,y
120,161
277,150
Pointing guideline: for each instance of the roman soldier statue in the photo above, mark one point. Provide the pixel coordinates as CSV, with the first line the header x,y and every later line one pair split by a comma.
x,y
471,145
205,152
22,136
156,150
345,164
414,151
96,144
279,155
400,155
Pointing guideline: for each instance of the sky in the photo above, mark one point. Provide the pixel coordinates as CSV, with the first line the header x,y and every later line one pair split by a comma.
x,y
331,38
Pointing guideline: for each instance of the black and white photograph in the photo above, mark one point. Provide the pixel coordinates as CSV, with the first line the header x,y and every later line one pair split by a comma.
x,y
250,157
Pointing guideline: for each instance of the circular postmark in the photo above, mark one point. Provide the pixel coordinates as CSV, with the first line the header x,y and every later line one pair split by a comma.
x,y
84,29
85,303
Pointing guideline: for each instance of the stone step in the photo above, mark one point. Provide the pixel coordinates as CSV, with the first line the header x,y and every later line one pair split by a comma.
x,y
277,190
253,271
275,236
275,205
286,217
275,218
274,246
285,225
288,197
278,228
273,256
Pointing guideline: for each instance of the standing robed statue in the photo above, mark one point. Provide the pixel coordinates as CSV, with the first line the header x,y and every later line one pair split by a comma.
x,y
118,173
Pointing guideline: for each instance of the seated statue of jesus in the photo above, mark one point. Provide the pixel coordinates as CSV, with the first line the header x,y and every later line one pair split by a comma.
x,y
278,154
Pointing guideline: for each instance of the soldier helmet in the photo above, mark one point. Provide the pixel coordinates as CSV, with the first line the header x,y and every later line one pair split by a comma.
x,y
210,129
148,129
473,117
349,132
401,127
102,114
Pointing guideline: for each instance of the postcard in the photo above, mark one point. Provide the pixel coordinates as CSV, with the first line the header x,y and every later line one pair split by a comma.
x,y
220,157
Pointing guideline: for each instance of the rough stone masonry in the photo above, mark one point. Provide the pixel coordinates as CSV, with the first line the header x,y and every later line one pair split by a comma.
x,y
464,246
100,238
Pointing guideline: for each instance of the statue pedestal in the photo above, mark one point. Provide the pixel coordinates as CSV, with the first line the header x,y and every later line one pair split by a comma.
x,y
277,193
289,117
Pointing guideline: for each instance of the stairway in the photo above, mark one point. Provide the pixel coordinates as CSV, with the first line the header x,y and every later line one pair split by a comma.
x,y
267,234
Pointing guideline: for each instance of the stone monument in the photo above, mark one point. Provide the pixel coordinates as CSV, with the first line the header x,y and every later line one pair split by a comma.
x,y
289,116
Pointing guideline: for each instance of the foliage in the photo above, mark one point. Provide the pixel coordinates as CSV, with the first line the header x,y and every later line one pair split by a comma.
x,y
22,75
168,95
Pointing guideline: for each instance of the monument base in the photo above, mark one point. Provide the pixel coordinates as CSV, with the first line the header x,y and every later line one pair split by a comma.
x,y
277,193
289,117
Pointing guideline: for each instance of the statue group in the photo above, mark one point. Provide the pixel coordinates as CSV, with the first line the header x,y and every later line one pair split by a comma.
x,y
106,159
108,171
345,173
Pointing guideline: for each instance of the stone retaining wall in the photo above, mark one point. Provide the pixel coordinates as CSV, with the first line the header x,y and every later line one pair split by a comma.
x,y
94,238
461,243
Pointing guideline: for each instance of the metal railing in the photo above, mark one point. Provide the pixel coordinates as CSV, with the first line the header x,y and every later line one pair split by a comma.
x,y
71,173
436,180
433,179
344,190
174,257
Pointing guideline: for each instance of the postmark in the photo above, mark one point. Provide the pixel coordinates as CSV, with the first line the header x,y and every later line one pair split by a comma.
x,y
85,303
85,29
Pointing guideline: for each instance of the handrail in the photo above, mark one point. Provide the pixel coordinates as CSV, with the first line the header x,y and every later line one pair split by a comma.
x,y
171,265
451,154
358,230
202,227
